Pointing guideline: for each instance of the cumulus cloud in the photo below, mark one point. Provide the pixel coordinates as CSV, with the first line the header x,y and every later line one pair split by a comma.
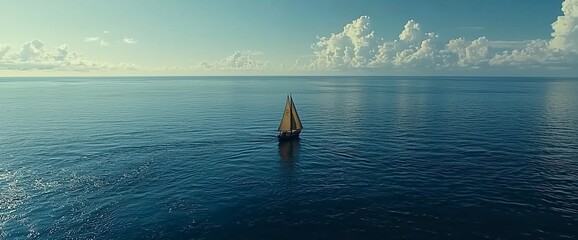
x,y
411,32
565,35
33,55
348,48
535,53
32,51
463,53
129,40
3,50
239,61
357,46
558,52
61,53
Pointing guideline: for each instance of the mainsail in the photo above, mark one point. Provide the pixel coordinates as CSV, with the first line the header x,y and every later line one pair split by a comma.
x,y
295,115
290,120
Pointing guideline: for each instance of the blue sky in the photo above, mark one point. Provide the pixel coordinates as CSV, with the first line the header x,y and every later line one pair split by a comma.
x,y
227,37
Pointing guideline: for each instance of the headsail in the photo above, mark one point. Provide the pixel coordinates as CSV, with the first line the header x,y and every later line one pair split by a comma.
x,y
286,122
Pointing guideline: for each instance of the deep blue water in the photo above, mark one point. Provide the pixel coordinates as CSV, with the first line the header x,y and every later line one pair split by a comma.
x,y
379,158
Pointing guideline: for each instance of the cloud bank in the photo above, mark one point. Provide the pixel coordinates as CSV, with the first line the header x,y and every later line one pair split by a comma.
x,y
239,61
357,47
33,55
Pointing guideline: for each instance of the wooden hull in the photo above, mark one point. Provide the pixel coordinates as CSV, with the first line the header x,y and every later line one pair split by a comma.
x,y
288,136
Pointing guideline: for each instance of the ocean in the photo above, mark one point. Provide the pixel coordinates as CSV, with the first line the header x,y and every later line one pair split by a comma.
x,y
378,158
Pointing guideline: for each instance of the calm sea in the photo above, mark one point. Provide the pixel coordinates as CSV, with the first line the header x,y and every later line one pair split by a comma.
x,y
379,158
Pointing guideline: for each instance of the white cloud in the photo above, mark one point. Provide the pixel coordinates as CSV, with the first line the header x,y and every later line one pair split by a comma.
x,y
92,39
535,53
61,53
347,49
98,40
102,42
32,51
358,47
3,50
459,52
565,35
129,40
34,56
559,52
239,61
424,54
411,32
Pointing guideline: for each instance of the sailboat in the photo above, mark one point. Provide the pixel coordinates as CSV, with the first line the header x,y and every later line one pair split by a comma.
x,y
290,126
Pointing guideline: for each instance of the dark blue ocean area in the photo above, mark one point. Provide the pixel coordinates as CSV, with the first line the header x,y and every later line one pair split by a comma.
x,y
378,158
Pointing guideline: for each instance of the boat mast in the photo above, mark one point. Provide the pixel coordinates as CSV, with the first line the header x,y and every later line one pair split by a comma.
x,y
291,120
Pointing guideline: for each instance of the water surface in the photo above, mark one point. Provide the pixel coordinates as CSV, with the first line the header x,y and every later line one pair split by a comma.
x,y
379,158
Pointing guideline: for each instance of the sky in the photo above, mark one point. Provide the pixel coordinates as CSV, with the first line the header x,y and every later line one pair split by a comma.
x,y
289,37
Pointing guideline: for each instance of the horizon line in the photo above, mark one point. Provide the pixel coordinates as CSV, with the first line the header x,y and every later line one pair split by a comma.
x,y
212,76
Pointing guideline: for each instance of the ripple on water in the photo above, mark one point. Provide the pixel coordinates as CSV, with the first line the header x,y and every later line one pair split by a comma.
x,y
378,158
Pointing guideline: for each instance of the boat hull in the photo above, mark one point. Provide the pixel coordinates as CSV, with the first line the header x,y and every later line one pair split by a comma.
x,y
288,136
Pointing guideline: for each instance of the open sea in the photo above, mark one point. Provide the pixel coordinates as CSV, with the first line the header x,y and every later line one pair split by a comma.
x,y
378,158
